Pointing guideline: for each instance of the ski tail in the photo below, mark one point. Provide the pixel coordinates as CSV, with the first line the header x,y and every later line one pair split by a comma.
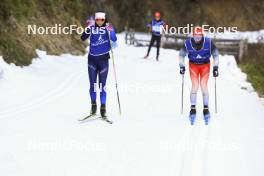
x,y
87,117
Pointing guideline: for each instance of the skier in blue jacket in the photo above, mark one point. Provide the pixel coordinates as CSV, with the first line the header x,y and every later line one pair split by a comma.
x,y
155,27
101,34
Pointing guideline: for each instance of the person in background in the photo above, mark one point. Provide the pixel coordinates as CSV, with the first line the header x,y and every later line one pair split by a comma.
x,y
199,50
155,26
101,34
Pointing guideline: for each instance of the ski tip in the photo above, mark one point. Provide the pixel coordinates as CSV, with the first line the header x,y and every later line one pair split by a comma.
x,y
206,119
192,119
106,120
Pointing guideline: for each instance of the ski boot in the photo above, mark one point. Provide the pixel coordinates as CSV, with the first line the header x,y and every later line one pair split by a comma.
x,y
93,108
145,57
206,114
103,111
157,58
92,112
103,114
192,114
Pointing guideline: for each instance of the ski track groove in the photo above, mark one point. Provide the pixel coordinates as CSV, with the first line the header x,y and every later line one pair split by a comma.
x,y
59,91
205,152
189,158
188,135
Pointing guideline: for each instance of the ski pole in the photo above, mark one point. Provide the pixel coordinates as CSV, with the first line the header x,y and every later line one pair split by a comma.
x,y
182,94
114,68
215,97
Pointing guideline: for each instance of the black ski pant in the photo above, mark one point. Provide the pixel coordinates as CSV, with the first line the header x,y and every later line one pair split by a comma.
x,y
153,39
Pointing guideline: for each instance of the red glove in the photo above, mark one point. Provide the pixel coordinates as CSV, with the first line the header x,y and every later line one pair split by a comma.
x,y
109,27
89,23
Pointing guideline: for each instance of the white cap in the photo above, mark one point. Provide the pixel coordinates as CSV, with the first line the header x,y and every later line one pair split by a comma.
x,y
99,15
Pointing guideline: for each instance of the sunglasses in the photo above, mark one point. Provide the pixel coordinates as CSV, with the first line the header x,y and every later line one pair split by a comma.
x,y
100,20
197,38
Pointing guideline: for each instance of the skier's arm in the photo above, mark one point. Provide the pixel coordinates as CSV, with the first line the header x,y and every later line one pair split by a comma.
x,y
85,34
113,36
164,26
149,26
182,55
215,54
111,31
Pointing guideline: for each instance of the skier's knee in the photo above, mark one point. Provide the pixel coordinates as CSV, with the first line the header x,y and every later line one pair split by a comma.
x,y
204,89
194,89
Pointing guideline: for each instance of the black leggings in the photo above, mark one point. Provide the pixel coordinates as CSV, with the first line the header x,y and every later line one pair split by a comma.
x,y
153,39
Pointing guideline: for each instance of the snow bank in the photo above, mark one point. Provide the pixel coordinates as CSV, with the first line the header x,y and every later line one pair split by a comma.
x,y
230,65
251,36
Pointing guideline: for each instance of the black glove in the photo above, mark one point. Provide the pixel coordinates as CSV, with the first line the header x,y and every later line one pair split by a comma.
x,y
215,71
182,70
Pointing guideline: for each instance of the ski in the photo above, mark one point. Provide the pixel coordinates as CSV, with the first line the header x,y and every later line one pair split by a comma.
x,y
192,119
104,118
94,115
87,117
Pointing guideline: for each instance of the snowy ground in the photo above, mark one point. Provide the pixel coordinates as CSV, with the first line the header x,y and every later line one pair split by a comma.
x,y
40,134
